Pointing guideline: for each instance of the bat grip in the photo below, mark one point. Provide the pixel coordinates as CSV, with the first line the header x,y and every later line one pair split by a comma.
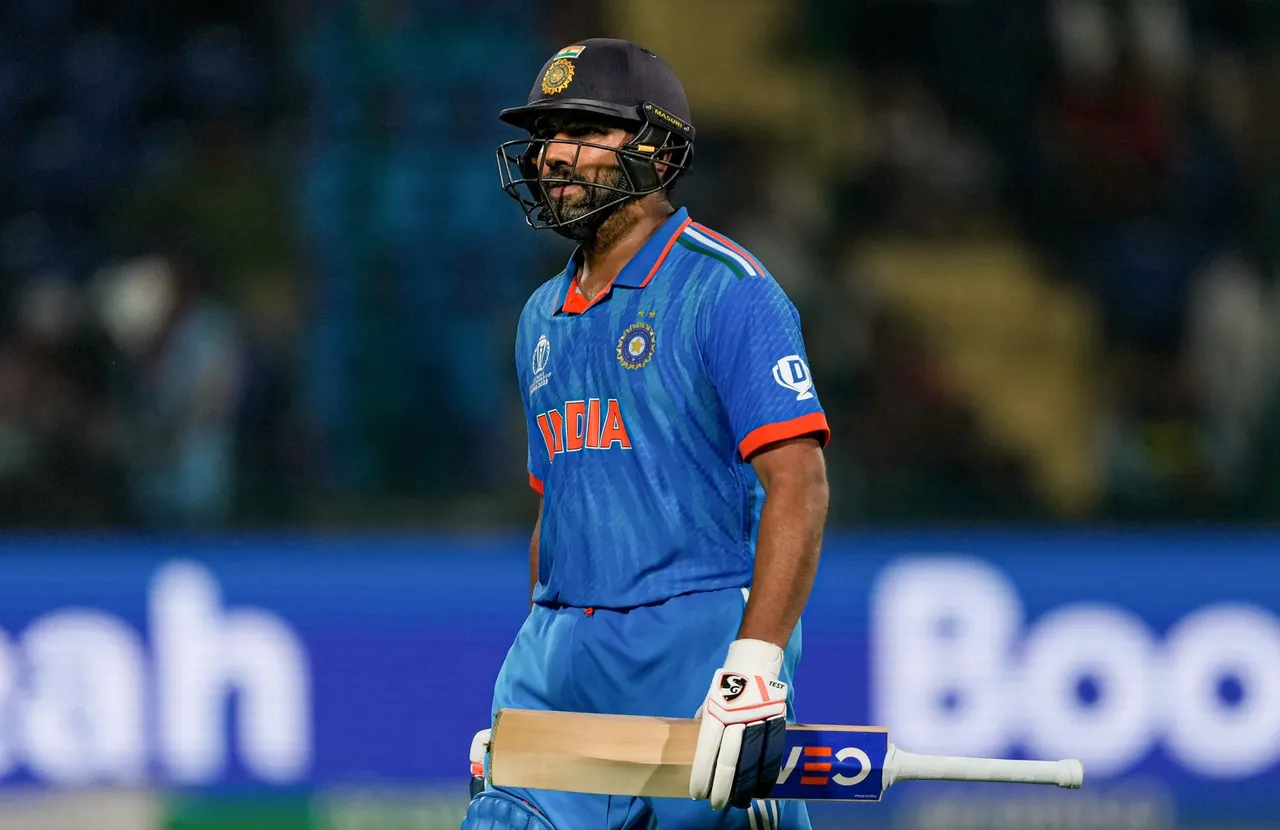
x,y
908,766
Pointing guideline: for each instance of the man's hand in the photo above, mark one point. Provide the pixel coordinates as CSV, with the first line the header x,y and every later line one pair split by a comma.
x,y
743,731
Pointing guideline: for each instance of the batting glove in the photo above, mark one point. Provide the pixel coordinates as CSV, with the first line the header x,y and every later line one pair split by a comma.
x,y
743,728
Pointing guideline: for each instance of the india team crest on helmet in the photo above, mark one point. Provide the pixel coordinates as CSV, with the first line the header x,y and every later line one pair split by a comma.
x,y
558,76
636,345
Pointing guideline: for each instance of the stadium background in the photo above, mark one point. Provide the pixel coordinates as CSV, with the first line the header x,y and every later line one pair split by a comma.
x,y
260,441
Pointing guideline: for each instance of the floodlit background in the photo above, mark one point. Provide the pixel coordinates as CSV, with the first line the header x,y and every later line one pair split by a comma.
x,y
261,447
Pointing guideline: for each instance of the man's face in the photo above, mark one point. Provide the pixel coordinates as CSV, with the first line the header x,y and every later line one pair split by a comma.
x,y
596,165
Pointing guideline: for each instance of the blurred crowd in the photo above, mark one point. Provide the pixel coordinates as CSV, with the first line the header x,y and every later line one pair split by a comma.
x,y
257,268
142,220
1134,144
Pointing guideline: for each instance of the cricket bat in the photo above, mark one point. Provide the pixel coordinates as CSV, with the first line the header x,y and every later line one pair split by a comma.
x,y
649,756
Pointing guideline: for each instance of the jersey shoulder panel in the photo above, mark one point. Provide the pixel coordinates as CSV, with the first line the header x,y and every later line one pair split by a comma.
x,y
538,308
709,253
543,302
719,276
546,297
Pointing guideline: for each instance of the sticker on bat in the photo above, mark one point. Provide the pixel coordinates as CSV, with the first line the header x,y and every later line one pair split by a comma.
x,y
833,765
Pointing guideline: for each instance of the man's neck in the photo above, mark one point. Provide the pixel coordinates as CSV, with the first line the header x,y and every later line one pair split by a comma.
x,y
617,241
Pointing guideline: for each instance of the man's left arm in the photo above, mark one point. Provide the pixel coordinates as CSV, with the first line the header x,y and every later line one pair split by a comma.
x,y
755,356
741,739
794,475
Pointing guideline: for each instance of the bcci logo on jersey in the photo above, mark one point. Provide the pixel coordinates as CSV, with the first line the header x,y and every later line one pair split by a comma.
x,y
792,373
636,345
541,355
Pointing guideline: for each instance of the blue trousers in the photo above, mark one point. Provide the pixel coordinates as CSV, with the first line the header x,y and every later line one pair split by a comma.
x,y
651,660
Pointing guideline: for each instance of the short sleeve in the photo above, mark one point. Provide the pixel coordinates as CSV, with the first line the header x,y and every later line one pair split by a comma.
x,y
757,361
536,458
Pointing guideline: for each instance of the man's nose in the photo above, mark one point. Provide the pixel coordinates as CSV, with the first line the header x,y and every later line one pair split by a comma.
x,y
559,152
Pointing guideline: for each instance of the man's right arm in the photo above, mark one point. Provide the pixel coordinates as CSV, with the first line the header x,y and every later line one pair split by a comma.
x,y
533,554
537,459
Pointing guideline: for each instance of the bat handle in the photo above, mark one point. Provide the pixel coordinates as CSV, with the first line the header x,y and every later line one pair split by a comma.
x,y
908,766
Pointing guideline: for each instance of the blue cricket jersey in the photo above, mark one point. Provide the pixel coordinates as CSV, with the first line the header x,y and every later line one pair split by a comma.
x,y
643,408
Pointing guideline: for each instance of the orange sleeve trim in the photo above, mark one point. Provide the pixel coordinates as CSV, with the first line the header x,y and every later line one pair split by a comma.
x,y
782,430
535,483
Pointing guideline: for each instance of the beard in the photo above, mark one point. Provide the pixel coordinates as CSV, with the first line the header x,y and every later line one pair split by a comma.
x,y
581,214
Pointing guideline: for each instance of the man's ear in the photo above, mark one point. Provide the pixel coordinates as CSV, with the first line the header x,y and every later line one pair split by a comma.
x,y
661,170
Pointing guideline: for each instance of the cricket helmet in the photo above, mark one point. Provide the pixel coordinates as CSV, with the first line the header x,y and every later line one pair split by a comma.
x,y
620,84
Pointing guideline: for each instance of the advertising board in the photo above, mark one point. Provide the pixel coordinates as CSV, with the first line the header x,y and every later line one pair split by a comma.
x,y
278,664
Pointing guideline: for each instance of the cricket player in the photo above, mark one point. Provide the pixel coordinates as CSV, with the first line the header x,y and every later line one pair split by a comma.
x,y
676,440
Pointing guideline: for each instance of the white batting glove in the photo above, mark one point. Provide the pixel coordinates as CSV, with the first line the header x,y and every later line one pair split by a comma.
x,y
743,728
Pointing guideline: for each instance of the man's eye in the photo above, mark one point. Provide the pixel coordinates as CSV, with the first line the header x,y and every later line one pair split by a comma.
x,y
547,131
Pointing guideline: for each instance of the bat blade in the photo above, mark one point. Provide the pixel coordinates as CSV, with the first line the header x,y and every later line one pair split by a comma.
x,y
649,756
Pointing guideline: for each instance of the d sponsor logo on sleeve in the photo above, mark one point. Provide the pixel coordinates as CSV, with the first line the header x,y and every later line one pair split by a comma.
x,y
792,373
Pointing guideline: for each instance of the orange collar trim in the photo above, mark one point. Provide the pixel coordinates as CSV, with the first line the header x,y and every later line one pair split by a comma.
x,y
575,302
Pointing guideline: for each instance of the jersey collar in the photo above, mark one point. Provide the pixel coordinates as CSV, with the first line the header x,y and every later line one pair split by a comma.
x,y
637,272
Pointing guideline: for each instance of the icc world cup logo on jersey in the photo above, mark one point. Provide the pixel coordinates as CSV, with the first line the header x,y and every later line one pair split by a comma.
x,y
541,356
636,345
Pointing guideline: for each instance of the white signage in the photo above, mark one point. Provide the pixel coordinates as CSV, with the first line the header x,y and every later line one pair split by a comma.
x,y
83,699
958,670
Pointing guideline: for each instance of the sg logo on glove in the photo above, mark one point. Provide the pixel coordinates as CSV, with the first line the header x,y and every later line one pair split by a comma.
x,y
731,686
